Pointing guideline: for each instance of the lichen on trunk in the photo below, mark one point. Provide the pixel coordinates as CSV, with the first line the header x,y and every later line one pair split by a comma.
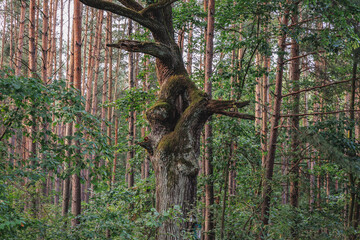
x,y
178,116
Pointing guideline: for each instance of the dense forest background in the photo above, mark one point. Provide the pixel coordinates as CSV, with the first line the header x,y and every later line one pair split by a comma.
x,y
282,164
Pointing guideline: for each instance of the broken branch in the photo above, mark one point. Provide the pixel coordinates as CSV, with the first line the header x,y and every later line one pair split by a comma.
x,y
154,49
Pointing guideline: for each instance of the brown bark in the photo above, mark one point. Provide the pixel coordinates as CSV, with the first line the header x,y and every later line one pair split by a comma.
x,y
44,39
76,186
190,49
270,158
97,61
176,119
209,233
60,75
83,81
20,39
32,47
11,51
110,74
258,96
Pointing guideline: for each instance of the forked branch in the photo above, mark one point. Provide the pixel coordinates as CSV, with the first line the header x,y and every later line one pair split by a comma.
x,y
154,49
219,107
157,6
131,4
237,115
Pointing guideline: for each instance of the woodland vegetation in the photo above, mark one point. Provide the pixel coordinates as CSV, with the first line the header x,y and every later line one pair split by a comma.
x,y
192,119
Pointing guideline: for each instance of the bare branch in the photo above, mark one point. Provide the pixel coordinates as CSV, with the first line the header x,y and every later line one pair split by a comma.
x,y
131,4
317,113
237,115
156,6
317,87
107,5
220,105
297,57
154,49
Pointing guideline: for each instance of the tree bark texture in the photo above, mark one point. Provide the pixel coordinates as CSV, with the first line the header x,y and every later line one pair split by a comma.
x,y
177,117
209,233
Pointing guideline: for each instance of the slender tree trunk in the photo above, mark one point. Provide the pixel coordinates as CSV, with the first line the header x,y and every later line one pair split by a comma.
x,y
145,164
11,51
295,142
60,75
190,50
83,81
209,187
76,186
110,76
97,61
129,170
3,35
45,33
226,184
115,153
66,182
32,67
20,39
269,164
89,81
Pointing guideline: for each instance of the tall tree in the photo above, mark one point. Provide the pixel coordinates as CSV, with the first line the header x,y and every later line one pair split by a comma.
x,y
130,154
295,142
209,233
270,158
76,186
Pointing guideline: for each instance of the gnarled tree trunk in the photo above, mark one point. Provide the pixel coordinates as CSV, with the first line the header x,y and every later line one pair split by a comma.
x,y
178,116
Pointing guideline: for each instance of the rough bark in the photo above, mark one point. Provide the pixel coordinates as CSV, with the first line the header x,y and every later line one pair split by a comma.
x,y
209,233
178,116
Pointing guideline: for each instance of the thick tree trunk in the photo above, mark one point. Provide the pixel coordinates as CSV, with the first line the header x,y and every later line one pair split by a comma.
x,y
176,119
